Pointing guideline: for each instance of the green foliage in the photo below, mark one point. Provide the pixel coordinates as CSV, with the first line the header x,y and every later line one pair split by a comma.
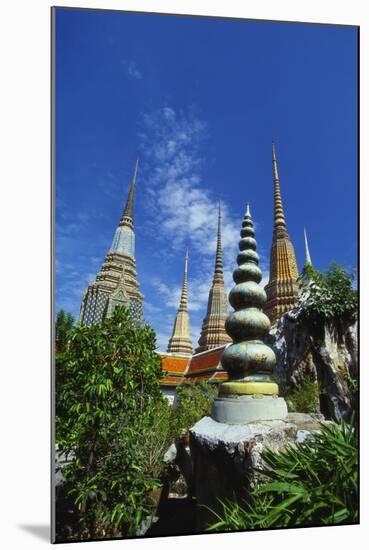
x,y
352,382
328,295
63,325
113,421
304,399
308,484
194,401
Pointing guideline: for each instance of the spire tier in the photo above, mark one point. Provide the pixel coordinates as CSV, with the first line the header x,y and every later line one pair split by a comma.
x,y
282,288
180,342
213,333
127,216
183,301
218,270
280,228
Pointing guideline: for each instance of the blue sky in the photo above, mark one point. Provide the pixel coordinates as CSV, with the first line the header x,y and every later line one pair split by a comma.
x,y
199,101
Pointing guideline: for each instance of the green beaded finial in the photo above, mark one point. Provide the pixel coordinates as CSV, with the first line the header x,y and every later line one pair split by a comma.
x,y
248,361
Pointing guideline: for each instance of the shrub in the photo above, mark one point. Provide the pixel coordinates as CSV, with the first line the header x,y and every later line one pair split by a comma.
x,y
328,295
313,483
194,401
63,325
304,399
113,420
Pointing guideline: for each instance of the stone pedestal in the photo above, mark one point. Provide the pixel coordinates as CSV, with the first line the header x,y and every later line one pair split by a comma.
x,y
224,456
243,409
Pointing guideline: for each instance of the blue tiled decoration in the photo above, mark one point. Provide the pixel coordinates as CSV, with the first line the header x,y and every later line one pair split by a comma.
x,y
94,307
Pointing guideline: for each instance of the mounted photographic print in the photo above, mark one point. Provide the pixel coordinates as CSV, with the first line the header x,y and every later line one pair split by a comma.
x,y
205,366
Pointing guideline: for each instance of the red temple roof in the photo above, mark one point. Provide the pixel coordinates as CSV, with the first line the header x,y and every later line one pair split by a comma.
x,y
201,366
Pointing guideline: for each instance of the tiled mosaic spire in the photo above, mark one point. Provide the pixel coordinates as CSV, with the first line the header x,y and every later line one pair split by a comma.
x,y
183,302
218,270
127,216
116,283
307,252
124,238
180,341
282,288
248,361
213,333
280,228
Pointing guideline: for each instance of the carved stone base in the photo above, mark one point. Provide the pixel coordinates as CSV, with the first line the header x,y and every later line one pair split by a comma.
x,y
248,408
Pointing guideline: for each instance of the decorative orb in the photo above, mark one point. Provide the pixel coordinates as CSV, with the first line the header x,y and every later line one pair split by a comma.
x,y
248,256
247,232
245,358
247,242
247,294
247,324
247,272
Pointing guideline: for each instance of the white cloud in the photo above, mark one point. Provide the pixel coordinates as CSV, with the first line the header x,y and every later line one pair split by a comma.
x,y
131,68
180,203
182,210
67,229
151,308
83,217
198,292
170,295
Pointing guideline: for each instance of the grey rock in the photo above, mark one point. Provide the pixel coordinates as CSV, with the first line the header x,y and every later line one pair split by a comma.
x,y
327,356
179,454
170,454
210,432
302,435
225,456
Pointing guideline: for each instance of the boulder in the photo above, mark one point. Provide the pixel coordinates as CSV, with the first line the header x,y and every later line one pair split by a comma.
x,y
328,356
224,457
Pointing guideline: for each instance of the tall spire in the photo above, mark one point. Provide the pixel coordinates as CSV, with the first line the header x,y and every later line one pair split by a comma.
x,y
180,341
213,332
127,216
116,283
282,288
218,271
307,252
124,238
279,220
183,302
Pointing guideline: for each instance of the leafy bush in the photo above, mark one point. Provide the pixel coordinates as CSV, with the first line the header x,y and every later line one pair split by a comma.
x,y
304,399
308,484
327,295
113,421
63,325
194,401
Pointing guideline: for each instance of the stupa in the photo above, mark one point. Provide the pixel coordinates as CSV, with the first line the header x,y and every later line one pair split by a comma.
x,y
250,394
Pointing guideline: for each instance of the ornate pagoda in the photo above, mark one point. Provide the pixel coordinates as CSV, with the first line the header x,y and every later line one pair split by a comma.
x,y
213,333
180,341
282,288
116,283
